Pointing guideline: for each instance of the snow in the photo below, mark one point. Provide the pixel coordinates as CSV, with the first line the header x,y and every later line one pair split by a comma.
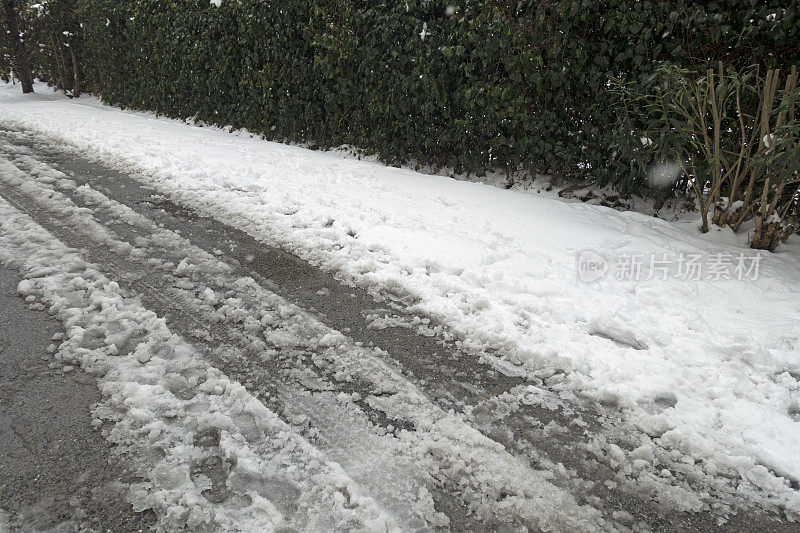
x,y
424,33
162,399
707,368
161,395
663,174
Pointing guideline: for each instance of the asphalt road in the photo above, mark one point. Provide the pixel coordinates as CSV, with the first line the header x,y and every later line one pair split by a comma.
x,y
59,472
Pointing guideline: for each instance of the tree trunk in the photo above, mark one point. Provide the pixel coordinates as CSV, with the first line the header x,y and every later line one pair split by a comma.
x,y
76,73
57,58
19,56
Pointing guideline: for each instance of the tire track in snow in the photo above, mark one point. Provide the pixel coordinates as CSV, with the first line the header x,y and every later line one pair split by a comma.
x,y
490,480
217,336
180,423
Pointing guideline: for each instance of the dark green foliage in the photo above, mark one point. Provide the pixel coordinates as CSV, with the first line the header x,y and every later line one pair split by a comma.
x,y
734,136
5,66
14,50
494,84
52,41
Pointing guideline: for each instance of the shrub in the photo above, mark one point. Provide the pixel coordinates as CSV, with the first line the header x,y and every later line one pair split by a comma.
x,y
734,137
476,85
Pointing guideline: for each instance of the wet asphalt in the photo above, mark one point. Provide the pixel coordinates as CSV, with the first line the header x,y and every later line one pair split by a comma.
x,y
57,472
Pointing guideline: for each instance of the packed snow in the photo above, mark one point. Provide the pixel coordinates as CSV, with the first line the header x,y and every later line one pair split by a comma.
x,y
705,364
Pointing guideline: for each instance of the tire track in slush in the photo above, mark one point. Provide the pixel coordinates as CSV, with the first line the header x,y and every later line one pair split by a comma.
x,y
495,487
211,456
543,430
218,337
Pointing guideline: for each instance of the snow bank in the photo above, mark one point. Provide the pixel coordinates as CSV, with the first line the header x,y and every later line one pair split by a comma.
x,y
709,367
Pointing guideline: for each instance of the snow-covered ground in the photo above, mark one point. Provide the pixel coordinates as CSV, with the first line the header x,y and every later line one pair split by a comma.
x,y
709,367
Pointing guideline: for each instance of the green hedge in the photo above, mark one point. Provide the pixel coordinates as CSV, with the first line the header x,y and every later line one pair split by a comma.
x,y
492,85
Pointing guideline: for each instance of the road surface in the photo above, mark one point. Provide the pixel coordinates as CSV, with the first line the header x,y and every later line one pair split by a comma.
x,y
199,379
